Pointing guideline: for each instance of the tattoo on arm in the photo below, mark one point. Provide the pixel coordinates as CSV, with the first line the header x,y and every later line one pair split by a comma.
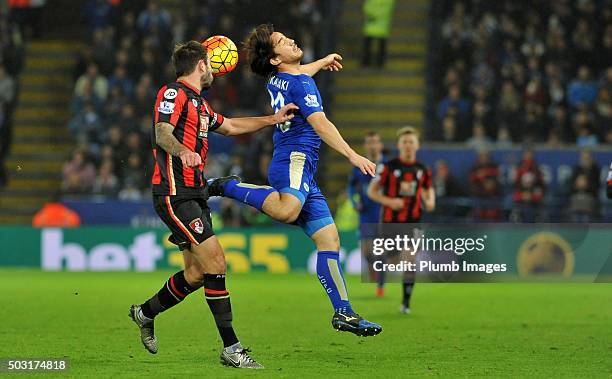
x,y
166,140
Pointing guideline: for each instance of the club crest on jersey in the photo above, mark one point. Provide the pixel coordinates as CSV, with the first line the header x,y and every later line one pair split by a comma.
x,y
204,120
166,107
419,174
397,173
197,225
311,101
194,102
170,93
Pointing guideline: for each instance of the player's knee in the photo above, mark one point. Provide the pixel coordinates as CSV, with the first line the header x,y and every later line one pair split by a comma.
x,y
335,242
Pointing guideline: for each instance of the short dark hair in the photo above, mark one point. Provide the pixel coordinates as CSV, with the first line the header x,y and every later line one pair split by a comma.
x,y
372,133
258,45
186,56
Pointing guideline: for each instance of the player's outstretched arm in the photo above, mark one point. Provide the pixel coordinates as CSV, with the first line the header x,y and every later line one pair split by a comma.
x,y
245,125
166,140
375,194
331,136
329,63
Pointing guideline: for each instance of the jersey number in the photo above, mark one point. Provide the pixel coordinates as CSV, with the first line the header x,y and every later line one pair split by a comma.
x,y
277,103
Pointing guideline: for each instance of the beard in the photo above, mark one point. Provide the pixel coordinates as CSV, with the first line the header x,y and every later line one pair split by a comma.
x,y
206,80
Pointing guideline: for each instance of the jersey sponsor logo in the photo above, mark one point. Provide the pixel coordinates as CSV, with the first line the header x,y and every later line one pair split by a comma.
x,y
166,107
170,93
407,188
204,120
312,101
197,225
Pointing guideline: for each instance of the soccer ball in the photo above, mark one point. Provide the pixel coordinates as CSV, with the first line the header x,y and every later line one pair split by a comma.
x,y
223,54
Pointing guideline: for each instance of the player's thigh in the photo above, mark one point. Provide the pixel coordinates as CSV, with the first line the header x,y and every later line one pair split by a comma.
x,y
291,174
187,219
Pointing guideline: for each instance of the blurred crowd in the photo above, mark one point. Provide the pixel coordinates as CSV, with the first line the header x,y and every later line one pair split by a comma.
x,y
126,61
11,62
522,71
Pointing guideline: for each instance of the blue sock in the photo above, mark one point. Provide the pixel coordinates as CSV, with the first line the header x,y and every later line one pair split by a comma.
x,y
331,277
246,193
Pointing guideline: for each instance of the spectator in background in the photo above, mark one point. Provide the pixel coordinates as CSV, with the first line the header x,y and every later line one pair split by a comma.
x,y
7,99
528,189
86,126
582,90
78,174
454,100
154,20
444,183
588,168
106,184
582,203
485,186
93,78
376,28
120,79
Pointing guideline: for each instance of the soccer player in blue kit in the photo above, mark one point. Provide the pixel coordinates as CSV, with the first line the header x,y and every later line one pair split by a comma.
x,y
294,196
369,210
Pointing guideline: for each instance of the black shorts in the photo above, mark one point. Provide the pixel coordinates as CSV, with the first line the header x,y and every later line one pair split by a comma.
x,y
188,218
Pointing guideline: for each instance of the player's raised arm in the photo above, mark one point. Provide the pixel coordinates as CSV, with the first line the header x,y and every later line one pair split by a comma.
x,y
332,62
245,125
331,136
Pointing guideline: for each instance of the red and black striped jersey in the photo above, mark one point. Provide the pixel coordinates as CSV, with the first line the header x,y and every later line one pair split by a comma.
x,y
404,180
181,106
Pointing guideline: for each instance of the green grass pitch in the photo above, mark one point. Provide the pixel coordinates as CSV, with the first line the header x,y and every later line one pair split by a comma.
x,y
456,330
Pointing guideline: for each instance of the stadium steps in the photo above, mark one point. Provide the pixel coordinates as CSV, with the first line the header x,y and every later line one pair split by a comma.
x,y
41,142
378,99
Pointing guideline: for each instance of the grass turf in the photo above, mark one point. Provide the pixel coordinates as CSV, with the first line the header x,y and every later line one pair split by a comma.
x,y
456,330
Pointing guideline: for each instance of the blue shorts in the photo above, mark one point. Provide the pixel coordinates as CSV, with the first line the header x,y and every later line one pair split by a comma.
x,y
293,172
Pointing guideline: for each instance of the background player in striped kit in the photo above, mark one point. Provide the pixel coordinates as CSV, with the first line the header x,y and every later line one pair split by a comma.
x,y
400,188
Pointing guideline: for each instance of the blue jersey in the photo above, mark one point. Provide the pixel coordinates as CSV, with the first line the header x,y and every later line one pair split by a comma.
x,y
358,185
296,149
302,91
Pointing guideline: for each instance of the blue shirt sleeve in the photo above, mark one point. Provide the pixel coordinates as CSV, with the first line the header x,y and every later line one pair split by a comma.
x,y
305,95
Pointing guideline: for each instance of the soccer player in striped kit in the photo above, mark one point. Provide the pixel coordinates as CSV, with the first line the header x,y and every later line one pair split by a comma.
x,y
401,187
183,120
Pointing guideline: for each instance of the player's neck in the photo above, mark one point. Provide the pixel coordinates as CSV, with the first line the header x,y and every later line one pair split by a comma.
x,y
192,80
290,68
407,158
